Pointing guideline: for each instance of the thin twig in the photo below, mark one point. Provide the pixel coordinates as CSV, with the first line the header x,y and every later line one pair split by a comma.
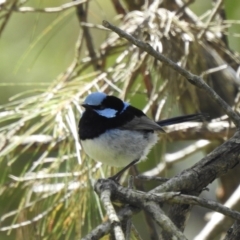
x,y
193,79
49,9
39,216
7,16
172,158
82,14
214,226
136,233
213,14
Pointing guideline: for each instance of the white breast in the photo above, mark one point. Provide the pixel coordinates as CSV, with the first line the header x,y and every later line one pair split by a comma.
x,y
119,147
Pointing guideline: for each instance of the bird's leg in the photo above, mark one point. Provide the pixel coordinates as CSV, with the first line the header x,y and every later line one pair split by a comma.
x,y
118,175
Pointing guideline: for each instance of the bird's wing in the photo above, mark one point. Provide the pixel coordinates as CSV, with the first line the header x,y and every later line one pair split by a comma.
x,y
142,123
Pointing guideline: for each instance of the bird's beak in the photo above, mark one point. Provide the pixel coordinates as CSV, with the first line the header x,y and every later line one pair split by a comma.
x,y
86,106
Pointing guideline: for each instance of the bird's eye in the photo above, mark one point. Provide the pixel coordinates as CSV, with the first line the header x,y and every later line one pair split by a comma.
x,y
101,107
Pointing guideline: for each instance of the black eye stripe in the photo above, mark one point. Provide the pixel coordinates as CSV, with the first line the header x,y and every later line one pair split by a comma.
x,y
99,107
110,102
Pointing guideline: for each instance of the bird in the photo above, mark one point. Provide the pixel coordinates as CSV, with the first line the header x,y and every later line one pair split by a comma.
x,y
118,134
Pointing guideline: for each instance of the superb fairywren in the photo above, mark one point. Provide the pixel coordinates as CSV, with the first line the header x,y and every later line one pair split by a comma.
x,y
115,133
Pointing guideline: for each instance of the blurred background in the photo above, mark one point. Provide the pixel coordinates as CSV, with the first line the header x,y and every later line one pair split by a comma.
x,y
38,50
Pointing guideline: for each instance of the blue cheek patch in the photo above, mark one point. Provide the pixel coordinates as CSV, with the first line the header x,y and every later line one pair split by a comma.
x,y
108,112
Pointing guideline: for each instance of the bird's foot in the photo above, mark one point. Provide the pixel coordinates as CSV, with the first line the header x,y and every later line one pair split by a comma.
x,y
117,176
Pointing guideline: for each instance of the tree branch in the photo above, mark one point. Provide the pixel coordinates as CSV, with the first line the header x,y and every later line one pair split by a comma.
x,y
113,218
149,201
193,79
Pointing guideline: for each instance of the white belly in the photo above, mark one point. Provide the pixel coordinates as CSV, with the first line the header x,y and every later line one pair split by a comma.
x,y
119,147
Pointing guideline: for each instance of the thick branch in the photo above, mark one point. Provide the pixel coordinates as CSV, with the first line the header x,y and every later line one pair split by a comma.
x,y
214,165
214,226
113,218
105,228
162,220
234,232
142,200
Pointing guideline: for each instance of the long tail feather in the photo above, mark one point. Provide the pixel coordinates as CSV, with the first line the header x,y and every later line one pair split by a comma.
x,y
186,118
